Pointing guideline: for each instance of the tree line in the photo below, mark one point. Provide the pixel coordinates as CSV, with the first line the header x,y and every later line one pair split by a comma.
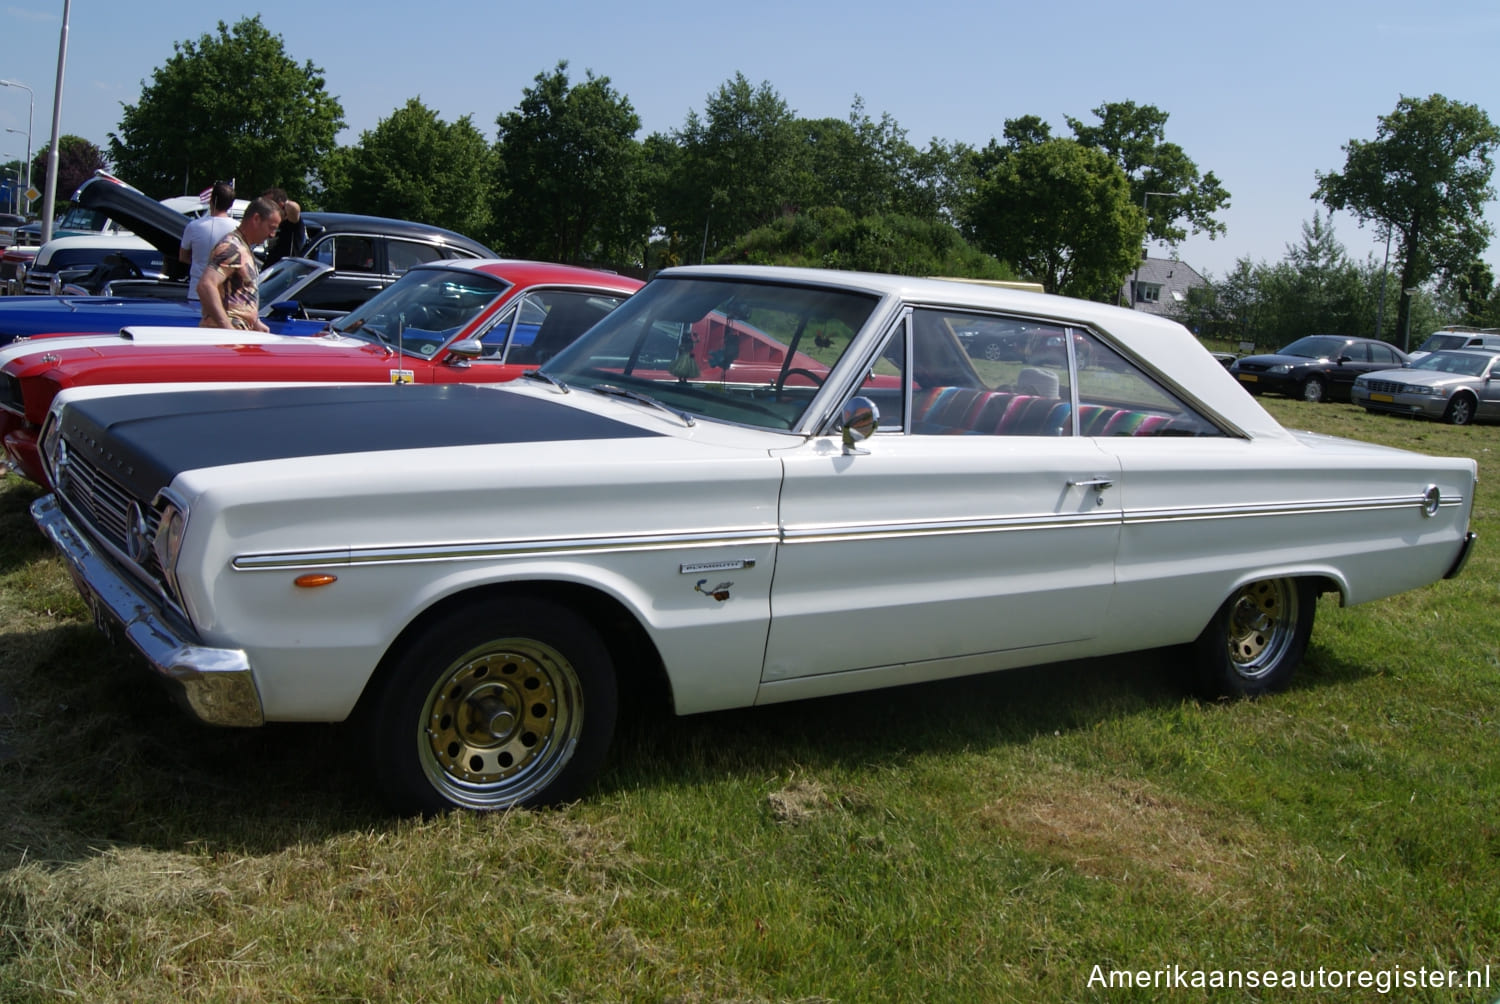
x,y
746,179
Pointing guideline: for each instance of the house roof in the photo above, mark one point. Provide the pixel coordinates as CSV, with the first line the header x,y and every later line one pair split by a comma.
x,y
1174,278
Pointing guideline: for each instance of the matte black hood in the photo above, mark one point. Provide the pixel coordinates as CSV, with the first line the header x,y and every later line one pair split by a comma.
x,y
143,441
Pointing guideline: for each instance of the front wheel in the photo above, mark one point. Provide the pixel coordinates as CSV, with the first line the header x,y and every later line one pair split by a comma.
x,y
1314,390
1255,639
1460,410
494,705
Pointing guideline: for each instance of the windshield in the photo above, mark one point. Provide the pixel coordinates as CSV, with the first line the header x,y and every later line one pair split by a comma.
x,y
423,309
79,218
1457,363
277,281
744,352
1436,342
1317,347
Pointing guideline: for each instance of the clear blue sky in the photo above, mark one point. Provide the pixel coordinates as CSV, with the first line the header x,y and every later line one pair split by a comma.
x,y
1262,94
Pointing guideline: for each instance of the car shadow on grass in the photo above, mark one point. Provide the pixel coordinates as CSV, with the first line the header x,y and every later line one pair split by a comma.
x,y
92,751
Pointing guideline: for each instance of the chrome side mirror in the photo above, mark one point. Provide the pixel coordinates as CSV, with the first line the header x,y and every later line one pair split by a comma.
x,y
468,348
860,419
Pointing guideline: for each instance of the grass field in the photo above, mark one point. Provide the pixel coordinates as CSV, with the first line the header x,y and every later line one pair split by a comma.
x,y
990,839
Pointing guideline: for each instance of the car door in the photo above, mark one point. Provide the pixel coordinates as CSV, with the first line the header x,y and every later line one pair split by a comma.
x,y
974,523
1488,389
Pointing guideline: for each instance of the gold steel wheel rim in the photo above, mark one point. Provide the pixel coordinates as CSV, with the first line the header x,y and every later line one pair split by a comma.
x,y
1262,624
501,723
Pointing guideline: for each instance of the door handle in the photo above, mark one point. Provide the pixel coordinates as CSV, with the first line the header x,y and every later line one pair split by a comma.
x,y
1098,484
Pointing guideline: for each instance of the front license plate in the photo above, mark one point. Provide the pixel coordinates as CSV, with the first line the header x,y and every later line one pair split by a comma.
x,y
1382,397
1248,378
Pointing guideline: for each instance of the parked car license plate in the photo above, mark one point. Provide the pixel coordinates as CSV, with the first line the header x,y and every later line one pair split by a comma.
x,y
1388,399
1248,378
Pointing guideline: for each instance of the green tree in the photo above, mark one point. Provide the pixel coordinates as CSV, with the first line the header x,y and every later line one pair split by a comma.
x,y
571,181
1424,180
832,237
414,166
231,105
77,160
1062,214
735,168
1134,136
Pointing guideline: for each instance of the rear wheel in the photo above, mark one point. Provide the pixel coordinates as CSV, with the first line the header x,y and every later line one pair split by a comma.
x,y
1460,410
491,706
1255,640
1314,390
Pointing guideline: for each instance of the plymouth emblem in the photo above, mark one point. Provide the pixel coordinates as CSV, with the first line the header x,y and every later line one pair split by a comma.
x,y
719,592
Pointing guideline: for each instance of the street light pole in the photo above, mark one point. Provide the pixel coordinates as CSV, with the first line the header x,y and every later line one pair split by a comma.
x,y
1135,283
30,116
49,198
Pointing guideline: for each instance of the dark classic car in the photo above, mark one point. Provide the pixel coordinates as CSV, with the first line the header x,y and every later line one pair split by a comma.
x,y
1316,368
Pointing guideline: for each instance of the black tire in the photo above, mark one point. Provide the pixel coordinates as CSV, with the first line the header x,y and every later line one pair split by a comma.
x,y
493,705
1255,640
1460,410
993,352
1314,390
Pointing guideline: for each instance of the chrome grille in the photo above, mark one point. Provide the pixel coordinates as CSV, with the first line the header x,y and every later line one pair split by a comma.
x,y
1384,386
106,505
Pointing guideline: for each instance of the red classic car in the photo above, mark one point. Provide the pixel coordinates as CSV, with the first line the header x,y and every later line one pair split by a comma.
x,y
464,321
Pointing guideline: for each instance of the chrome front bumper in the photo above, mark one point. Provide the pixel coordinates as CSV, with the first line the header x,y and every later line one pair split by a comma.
x,y
216,685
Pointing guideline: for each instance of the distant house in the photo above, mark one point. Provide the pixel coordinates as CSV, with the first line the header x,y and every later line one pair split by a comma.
x,y
1160,285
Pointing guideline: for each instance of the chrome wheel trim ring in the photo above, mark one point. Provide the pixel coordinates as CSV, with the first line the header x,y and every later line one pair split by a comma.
x,y
500,723
1262,626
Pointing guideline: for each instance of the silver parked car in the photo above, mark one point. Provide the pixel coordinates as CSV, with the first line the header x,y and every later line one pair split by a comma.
x,y
1456,386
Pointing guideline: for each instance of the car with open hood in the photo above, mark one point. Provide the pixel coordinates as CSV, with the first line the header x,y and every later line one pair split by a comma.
x,y
363,255
838,497
1316,368
1457,386
470,321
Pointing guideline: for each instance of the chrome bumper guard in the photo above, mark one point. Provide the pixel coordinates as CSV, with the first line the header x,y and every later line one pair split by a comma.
x,y
214,684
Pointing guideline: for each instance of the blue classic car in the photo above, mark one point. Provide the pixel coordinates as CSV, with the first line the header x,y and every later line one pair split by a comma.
x,y
346,260
284,288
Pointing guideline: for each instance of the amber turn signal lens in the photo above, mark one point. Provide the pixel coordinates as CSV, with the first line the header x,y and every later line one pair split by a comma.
x,y
313,581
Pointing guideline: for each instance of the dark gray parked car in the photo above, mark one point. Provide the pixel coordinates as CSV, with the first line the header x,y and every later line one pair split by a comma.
x,y
1316,368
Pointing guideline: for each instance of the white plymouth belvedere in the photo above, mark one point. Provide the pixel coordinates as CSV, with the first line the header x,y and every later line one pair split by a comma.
x,y
751,484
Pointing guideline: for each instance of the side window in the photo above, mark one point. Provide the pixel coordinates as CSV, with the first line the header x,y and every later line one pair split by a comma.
x,y
1118,398
544,323
345,252
1383,354
1358,352
988,375
403,255
1014,376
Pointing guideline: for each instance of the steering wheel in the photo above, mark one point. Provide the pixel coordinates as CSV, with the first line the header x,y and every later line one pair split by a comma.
x,y
781,381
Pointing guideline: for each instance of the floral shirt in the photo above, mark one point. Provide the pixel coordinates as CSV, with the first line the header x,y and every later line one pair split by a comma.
x,y
233,258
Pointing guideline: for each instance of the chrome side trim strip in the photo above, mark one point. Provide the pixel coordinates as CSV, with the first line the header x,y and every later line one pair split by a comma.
x,y
502,549
1284,509
811,533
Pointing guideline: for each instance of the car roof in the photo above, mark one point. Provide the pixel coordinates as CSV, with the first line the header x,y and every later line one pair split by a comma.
x,y
536,273
1167,346
319,223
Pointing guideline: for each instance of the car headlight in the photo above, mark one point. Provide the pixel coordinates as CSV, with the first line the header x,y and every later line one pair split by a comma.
x,y
1281,369
167,544
51,437
1421,390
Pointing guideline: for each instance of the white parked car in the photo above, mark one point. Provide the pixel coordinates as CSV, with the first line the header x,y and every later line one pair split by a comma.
x,y
834,496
